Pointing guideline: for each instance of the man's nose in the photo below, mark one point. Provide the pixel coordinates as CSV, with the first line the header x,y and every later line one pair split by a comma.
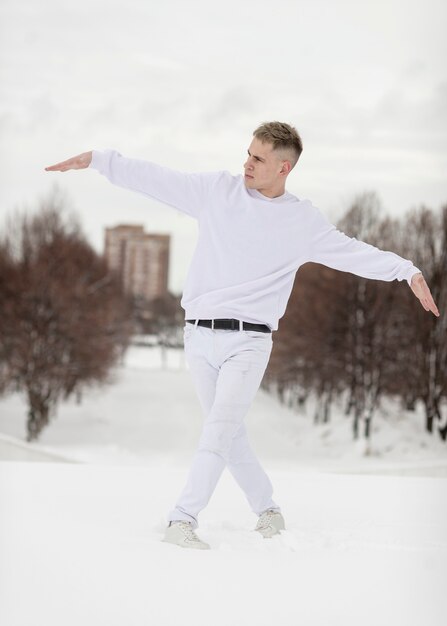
x,y
248,164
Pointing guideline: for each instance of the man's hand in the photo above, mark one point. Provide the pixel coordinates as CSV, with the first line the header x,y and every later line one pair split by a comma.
x,y
420,289
79,162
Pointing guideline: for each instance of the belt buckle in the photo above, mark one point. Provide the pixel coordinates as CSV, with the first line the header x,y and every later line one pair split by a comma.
x,y
212,324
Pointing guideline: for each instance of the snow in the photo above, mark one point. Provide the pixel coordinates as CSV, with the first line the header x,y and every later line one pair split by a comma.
x,y
80,543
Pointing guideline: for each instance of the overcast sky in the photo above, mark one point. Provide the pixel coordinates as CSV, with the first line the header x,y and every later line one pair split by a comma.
x,y
186,83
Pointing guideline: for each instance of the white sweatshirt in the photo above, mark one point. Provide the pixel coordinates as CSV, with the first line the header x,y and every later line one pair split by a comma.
x,y
249,246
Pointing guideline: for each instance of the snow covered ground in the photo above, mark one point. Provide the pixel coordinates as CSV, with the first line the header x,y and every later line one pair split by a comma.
x,y
151,415
80,543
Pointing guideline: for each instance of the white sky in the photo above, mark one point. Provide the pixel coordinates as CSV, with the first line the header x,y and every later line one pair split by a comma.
x,y
185,84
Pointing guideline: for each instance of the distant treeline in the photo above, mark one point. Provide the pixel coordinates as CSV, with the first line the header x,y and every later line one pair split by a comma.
x,y
64,319
349,337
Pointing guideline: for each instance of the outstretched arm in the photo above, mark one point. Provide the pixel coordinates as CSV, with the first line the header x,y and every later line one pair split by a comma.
x,y
188,193
334,249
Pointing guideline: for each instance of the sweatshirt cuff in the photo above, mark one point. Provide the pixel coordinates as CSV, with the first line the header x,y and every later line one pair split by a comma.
x,y
411,272
98,160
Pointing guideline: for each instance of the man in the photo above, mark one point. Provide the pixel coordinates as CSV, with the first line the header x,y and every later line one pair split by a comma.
x,y
253,237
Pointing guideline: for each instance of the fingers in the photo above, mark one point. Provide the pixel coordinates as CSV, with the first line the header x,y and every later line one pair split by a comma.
x,y
427,301
421,291
430,303
55,168
78,162
433,308
63,166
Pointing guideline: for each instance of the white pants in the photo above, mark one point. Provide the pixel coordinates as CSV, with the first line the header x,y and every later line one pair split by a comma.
x,y
227,367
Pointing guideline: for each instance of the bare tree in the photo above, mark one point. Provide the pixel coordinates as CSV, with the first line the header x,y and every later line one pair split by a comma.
x,y
368,305
64,318
425,237
345,333
309,346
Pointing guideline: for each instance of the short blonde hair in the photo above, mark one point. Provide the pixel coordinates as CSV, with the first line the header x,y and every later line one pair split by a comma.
x,y
282,136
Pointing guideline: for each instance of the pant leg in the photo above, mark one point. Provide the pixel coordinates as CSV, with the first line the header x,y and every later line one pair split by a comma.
x,y
227,370
201,477
250,475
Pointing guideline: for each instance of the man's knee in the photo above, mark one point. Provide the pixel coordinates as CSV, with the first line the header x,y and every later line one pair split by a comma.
x,y
218,437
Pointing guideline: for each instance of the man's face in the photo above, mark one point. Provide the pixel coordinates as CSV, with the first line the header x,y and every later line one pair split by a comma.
x,y
264,167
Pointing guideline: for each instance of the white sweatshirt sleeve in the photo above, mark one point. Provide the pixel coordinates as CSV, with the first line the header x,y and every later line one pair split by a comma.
x,y
331,247
186,192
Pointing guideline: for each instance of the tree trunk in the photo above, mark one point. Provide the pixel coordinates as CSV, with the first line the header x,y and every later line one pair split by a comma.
x,y
367,426
317,410
409,402
327,406
442,428
429,414
355,424
38,415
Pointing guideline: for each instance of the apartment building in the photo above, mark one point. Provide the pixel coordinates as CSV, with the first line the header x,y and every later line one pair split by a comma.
x,y
140,259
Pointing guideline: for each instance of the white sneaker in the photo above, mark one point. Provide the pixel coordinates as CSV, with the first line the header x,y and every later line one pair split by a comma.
x,y
270,523
182,534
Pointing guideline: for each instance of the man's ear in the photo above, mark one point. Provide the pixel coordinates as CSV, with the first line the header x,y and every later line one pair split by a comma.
x,y
286,167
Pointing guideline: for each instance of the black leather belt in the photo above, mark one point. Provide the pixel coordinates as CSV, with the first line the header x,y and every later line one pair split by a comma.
x,y
231,324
